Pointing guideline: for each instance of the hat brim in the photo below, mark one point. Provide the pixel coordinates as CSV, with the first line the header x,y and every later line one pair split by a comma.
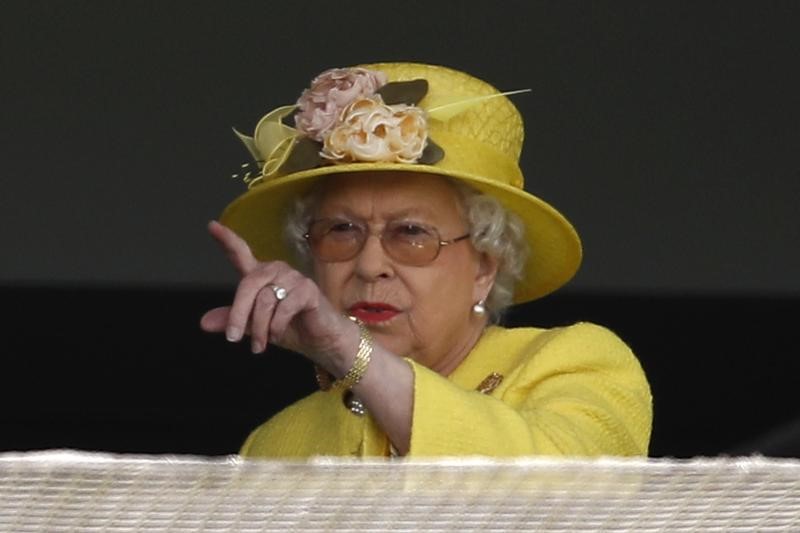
x,y
555,253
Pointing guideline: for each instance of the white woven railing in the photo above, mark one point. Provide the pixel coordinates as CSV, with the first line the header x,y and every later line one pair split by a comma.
x,y
60,491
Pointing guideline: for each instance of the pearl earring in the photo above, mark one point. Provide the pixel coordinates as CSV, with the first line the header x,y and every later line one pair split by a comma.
x,y
479,308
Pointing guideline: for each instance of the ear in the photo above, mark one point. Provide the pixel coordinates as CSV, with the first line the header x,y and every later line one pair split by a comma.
x,y
485,276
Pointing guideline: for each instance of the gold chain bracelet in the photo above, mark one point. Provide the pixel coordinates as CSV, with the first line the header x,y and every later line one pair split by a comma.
x,y
360,363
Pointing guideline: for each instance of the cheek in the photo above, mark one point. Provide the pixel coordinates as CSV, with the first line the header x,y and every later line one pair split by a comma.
x,y
443,297
440,312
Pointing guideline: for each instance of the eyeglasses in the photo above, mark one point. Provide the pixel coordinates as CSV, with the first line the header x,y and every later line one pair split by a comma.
x,y
409,243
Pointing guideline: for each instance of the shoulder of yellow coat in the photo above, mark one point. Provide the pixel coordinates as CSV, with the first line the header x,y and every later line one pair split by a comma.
x,y
516,352
578,345
534,354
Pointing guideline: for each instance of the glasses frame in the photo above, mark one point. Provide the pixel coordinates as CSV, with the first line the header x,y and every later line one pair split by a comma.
x,y
380,234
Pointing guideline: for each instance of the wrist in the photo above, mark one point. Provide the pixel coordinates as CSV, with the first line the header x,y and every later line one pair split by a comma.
x,y
348,358
346,348
361,360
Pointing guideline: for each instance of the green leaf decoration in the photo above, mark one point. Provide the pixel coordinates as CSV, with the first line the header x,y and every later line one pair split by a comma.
x,y
404,92
445,108
303,156
288,119
250,144
270,132
432,153
278,157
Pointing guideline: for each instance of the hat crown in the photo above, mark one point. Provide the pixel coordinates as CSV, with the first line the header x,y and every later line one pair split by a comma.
x,y
495,122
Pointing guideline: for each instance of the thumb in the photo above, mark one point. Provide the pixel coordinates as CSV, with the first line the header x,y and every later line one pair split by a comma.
x,y
215,320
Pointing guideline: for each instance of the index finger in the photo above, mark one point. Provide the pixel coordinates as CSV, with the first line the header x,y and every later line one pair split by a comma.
x,y
235,247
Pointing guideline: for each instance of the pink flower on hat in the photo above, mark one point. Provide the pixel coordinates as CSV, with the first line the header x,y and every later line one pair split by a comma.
x,y
330,92
369,130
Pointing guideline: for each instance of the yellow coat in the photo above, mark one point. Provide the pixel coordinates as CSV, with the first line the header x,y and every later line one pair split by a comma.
x,y
576,390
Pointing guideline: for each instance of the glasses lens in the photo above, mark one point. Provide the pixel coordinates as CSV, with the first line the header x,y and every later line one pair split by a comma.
x,y
411,243
335,240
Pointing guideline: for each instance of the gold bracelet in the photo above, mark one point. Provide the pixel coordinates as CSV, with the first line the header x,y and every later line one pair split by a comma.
x,y
360,363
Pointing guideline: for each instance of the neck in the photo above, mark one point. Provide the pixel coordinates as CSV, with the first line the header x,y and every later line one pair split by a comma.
x,y
462,350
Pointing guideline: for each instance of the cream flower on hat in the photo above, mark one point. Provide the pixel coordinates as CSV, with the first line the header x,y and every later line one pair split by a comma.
x,y
369,130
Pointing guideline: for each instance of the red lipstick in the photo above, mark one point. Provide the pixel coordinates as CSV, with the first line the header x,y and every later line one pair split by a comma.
x,y
373,312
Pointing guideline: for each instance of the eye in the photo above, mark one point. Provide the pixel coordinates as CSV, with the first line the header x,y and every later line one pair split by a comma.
x,y
343,231
341,227
337,229
412,231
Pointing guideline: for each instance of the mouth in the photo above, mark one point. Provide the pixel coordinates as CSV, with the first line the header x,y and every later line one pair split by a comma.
x,y
373,312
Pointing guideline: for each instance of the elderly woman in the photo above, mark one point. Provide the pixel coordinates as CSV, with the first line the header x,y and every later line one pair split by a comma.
x,y
381,238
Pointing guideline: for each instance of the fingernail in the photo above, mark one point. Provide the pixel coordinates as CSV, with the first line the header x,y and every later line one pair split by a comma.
x,y
257,348
233,334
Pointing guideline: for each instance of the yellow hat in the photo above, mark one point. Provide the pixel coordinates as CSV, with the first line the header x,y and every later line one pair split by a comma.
x,y
480,133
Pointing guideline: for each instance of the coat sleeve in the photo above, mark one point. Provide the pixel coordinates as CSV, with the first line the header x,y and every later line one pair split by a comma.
x,y
577,391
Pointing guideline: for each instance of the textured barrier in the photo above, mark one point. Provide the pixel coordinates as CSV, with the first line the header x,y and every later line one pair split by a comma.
x,y
59,491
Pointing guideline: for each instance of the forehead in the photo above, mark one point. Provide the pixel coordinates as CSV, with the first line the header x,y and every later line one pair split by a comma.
x,y
386,195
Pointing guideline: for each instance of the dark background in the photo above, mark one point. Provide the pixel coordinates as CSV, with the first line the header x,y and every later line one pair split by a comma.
x,y
666,131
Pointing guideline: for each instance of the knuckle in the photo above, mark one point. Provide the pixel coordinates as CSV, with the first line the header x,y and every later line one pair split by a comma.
x,y
280,266
307,285
301,279
265,297
250,283
257,279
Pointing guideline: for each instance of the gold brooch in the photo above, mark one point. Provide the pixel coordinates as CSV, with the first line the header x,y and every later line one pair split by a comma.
x,y
490,383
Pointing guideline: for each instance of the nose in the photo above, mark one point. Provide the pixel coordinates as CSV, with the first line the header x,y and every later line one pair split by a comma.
x,y
372,263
